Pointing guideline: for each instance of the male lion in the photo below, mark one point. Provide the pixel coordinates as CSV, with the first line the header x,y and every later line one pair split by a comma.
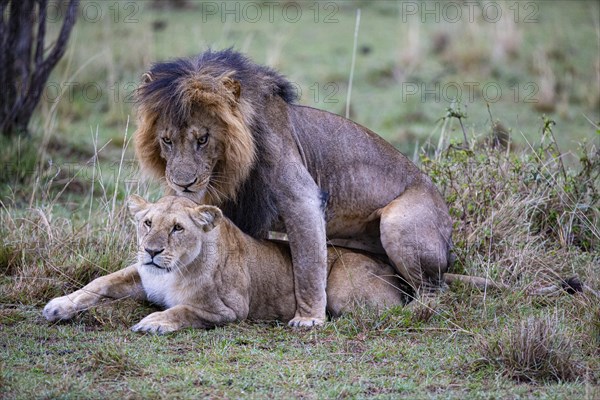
x,y
206,272
226,132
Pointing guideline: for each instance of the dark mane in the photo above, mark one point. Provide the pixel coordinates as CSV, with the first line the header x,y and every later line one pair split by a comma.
x,y
247,72
254,210
162,91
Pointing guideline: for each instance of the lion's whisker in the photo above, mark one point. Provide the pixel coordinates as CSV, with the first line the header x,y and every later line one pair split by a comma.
x,y
215,192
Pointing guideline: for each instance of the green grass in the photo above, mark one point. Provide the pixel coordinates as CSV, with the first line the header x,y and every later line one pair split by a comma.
x,y
525,216
363,355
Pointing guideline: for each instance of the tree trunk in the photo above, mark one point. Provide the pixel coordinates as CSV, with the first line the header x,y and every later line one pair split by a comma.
x,y
23,68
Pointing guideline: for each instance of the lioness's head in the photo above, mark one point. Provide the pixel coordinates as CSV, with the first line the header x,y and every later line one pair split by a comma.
x,y
194,130
171,231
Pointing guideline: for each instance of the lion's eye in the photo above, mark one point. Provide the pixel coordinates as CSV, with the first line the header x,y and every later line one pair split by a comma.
x,y
177,228
203,140
166,140
148,223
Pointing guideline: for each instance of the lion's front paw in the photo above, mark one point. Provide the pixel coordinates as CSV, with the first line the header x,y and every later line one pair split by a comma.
x,y
156,322
60,308
306,322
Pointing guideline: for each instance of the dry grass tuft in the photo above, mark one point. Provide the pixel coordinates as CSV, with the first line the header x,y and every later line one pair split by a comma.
x,y
112,362
533,350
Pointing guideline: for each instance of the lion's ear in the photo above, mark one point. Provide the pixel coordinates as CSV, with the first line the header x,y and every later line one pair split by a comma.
x,y
233,87
136,204
147,78
206,217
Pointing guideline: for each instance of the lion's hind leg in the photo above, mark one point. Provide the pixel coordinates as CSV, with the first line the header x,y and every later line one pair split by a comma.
x,y
358,280
415,232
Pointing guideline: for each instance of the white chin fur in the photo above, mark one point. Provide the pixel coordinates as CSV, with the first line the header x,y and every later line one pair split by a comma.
x,y
153,270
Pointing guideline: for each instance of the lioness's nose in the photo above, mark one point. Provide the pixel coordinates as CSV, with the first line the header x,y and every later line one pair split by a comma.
x,y
153,253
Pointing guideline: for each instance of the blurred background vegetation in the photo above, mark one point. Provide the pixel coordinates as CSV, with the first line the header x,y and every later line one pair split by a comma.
x,y
413,59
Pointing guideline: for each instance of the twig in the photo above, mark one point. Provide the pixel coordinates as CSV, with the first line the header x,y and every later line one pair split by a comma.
x,y
353,62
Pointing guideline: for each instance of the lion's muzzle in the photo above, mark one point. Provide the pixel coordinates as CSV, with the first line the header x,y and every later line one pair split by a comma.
x,y
185,187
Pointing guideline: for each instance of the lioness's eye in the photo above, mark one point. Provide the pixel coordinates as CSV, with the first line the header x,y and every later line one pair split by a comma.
x,y
166,140
203,140
148,223
177,228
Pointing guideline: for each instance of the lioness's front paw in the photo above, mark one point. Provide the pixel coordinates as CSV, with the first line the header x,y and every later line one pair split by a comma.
x,y
156,323
60,308
306,322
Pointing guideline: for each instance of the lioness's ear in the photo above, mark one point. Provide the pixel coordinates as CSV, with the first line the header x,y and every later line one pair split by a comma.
x,y
136,204
206,217
233,87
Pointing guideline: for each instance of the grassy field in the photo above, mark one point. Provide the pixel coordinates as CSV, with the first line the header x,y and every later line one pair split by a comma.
x,y
525,214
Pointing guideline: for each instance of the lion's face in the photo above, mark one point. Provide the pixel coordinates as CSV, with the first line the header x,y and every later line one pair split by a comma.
x,y
191,153
171,231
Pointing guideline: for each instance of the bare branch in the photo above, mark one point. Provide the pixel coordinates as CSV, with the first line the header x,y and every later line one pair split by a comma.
x,y
23,68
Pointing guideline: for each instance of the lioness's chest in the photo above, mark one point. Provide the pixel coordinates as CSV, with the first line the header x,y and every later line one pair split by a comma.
x,y
164,289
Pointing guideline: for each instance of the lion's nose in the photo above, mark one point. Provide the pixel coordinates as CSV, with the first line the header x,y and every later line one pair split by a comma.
x,y
185,186
153,253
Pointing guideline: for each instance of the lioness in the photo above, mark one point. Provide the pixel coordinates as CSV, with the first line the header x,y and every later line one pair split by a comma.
x,y
206,272
225,131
